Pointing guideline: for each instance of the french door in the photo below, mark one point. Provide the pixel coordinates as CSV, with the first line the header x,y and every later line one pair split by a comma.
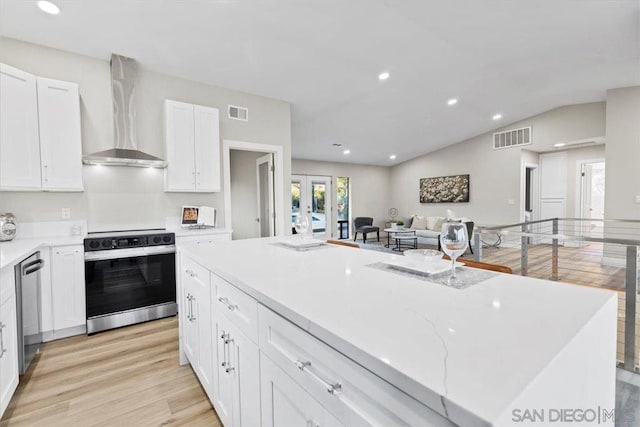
x,y
311,196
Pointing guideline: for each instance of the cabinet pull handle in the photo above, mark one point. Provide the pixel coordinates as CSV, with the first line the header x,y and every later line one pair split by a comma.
x,y
2,349
191,273
227,347
224,337
225,301
334,389
191,307
46,173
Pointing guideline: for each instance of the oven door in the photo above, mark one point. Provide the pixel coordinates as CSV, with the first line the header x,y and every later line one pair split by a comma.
x,y
125,279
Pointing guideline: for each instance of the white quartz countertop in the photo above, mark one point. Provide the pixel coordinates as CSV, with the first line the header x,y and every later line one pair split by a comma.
x,y
465,353
184,232
16,250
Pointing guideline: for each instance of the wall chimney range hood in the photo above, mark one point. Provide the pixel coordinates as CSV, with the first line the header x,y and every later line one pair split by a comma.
x,y
125,152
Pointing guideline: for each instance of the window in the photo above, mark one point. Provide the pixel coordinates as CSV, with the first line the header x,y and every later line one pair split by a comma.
x,y
343,197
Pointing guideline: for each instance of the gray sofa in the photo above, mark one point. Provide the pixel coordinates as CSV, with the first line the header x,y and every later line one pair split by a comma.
x,y
430,235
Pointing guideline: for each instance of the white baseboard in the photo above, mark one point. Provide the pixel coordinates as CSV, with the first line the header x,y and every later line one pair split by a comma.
x,y
64,333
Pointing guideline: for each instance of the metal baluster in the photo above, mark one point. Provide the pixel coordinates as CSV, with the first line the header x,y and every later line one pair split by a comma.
x,y
554,252
630,314
524,252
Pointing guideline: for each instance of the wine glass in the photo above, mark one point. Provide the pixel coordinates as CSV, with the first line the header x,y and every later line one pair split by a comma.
x,y
301,224
454,242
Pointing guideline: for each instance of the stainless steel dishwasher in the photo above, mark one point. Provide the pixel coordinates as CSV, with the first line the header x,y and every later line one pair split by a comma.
x,y
28,302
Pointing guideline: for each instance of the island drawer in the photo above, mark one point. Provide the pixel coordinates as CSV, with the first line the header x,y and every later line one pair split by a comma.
x,y
350,392
237,306
194,269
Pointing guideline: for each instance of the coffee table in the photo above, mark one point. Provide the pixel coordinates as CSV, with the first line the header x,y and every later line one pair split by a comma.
x,y
404,238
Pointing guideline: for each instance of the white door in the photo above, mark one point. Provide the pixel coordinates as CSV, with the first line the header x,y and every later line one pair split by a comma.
x,y
312,196
592,196
67,287
285,403
207,148
180,174
60,136
19,140
266,208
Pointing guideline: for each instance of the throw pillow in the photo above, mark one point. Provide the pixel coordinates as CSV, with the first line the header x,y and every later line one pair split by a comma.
x,y
438,224
419,222
408,222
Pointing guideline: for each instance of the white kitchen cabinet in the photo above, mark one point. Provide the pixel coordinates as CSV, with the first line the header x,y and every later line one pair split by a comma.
x,y
8,351
40,138
60,135
192,136
237,388
19,140
195,316
285,403
68,288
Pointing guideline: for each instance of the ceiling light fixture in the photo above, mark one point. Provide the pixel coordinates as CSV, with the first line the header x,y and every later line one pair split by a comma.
x,y
48,7
383,76
452,101
497,116
392,157
345,152
559,144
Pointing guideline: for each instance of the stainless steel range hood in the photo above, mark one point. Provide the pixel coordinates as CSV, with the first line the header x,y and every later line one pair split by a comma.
x,y
125,152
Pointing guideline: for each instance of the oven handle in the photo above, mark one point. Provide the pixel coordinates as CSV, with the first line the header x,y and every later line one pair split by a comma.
x,y
129,253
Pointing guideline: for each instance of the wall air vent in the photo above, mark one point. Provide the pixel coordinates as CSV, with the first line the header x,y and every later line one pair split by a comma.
x,y
512,138
238,113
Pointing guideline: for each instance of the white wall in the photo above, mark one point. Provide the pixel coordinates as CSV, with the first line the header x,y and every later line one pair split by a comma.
x,y
370,190
623,153
118,197
244,195
495,175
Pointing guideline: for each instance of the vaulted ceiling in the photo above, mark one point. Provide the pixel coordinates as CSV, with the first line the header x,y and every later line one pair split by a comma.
x,y
516,58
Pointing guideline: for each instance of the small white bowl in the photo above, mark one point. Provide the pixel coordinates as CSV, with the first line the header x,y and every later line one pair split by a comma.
x,y
427,256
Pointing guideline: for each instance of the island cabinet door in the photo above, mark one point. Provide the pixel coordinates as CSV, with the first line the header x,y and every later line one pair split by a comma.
x,y
285,403
223,388
189,330
238,377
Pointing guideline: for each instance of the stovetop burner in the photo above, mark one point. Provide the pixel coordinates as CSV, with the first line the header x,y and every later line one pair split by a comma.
x,y
109,240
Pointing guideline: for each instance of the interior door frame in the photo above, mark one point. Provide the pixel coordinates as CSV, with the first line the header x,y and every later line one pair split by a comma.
x,y
279,182
268,159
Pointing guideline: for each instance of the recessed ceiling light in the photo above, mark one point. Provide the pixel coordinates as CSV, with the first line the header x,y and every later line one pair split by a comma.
x,y
48,7
560,144
452,101
392,157
346,152
497,116
383,76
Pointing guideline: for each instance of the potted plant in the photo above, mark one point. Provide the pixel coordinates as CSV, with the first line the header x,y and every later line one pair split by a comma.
x,y
400,224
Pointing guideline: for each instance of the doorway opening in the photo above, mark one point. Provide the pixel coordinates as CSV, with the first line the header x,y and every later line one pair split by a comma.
x,y
253,176
311,196
530,199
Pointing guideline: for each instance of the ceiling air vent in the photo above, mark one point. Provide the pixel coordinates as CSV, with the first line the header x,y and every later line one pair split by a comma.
x,y
238,113
512,138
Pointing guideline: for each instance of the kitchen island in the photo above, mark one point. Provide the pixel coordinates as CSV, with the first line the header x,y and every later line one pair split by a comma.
x,y
404,351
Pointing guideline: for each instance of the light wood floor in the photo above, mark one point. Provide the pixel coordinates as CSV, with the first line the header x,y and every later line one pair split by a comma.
x,y
124,377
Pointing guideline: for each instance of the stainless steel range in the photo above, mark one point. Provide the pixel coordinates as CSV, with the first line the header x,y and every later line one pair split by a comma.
x,y
130,278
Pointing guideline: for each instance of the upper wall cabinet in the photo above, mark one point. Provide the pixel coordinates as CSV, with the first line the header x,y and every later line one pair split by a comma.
x,y
192,136
19,143
60,140
40,142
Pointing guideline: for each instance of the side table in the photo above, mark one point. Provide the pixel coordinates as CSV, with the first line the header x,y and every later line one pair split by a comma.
x,y
404,238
